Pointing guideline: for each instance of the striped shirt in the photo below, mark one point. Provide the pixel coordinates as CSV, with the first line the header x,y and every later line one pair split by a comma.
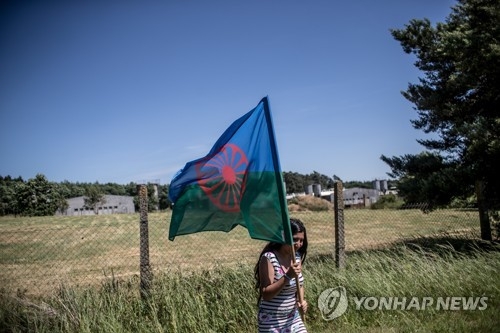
x,y
281,312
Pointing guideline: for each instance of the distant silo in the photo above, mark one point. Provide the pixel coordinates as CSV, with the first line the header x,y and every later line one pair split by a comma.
x,y
156,196
376,184
317,190
308,189
383,185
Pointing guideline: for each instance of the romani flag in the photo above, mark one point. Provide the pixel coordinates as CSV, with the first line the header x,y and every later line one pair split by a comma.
x,y
239,182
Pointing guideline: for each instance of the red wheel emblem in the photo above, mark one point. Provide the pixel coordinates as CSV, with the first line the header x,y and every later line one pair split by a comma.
x,y
222,177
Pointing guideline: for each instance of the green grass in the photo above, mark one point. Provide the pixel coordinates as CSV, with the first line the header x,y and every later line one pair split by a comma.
x,y
37,254
222,298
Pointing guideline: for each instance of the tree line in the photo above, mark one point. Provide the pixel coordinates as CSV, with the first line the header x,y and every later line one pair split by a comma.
x,y
297,183
40,197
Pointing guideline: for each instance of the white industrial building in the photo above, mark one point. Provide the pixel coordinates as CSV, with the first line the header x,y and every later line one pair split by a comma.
x,y
113,204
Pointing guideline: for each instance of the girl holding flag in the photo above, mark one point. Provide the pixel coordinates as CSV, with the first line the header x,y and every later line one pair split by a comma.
x,y
276,274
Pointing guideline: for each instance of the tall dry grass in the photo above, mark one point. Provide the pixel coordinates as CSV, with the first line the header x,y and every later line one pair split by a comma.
x,y
38,254
222,298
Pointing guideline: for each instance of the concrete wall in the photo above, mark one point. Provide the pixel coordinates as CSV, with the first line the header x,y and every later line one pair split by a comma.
x,y
115,204
360,197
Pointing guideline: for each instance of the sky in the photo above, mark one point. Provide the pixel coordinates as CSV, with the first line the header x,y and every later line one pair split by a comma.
x,y
130,91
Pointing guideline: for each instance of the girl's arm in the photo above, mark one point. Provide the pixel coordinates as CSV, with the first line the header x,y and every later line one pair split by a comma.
x,y
268,288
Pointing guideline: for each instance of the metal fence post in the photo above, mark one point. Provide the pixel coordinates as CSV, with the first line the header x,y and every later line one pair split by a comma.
x,y
145,268
484,219
338,206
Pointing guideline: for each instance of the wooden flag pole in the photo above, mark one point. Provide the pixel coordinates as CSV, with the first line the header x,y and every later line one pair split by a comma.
x,y
297,283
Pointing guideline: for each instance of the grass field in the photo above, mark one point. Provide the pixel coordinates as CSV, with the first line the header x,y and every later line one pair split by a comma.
x,y
80,274
39,254
223,299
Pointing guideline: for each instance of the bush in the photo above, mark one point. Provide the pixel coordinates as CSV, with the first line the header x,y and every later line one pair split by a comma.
x,y
389,201
309,203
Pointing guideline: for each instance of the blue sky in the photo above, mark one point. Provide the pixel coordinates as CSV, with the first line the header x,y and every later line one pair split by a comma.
x,y
127,91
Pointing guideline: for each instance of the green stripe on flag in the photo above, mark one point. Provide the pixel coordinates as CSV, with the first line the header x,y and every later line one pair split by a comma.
x,y
259,204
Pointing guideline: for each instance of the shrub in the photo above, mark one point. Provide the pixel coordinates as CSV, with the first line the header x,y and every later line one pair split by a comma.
x,y
389,201
309,203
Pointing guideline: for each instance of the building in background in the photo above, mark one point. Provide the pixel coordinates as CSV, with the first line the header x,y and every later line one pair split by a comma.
x,y
114,204
360,197
355,197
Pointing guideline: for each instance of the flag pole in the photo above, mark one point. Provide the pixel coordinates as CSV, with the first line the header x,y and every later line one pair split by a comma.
x,y
281,191
299,295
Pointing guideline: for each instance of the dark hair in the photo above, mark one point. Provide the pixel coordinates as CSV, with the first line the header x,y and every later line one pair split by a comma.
x,y
296,227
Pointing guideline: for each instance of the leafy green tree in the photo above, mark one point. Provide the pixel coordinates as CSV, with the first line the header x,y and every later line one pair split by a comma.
x,y
94,198
294,181
357,183
8,195
71,190
428,178
131,189
388,201
37,197
318,178
163,197
62,205
458,99
62,192
113,189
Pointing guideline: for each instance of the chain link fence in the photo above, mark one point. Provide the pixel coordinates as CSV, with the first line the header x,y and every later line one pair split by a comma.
x,y
40,254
